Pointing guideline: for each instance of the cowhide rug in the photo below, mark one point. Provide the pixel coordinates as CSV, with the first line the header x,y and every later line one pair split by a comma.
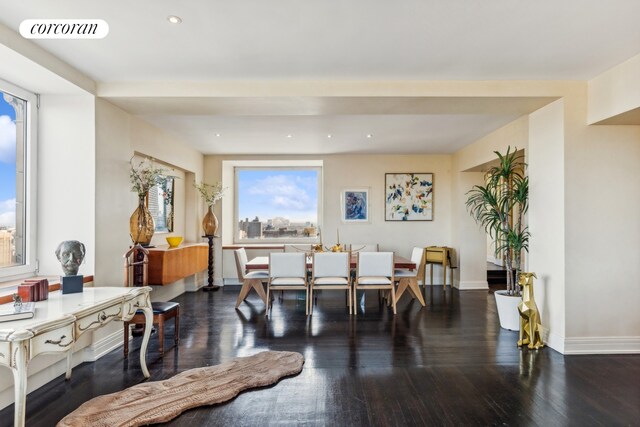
x,y
161,401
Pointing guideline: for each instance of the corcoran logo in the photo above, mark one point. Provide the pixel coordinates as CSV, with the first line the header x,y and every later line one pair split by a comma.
x,y
64,28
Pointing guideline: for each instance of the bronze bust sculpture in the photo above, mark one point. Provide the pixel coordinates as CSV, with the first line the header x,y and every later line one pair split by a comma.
x,y
70,253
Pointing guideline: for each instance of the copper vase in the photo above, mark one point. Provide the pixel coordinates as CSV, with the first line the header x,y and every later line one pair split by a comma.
x,y
141,226
210,222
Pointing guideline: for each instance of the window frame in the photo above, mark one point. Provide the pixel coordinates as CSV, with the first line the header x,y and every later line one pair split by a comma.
x,y
30,267
274,166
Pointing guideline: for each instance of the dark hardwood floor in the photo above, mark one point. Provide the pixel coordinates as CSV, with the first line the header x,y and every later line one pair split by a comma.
x,y
447,364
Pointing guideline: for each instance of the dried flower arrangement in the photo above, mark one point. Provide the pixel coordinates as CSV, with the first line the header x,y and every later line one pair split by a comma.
x,y
211,193
145,175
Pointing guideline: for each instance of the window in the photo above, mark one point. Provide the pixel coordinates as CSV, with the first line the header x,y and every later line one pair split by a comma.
x,y
277,204
17,191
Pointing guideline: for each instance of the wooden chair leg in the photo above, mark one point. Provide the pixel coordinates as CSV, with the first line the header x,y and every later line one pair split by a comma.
x,y
353,304
259,287
177,326
244,291
161,334
414,289
306,301
393,298
269,296
126,339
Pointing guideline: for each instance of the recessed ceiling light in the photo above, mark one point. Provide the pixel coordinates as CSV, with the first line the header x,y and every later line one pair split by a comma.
x,y
329,136
174,19
289,136
369,135
217,134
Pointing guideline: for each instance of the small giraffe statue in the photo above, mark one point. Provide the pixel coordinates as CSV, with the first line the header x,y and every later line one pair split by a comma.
x,y
529,314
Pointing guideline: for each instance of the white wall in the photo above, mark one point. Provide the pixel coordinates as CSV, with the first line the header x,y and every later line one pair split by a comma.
x,y
118,137
602,233
66,171
615,91
546,218
112,192
468,238
475,155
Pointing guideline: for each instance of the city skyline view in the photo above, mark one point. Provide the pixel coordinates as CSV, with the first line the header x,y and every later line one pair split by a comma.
x,y
274,193
7,164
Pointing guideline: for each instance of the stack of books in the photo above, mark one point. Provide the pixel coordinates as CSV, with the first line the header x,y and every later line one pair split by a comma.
x,y
34,290
9,312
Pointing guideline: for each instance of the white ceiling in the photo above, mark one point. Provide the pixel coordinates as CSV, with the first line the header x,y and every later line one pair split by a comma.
x,y
315,40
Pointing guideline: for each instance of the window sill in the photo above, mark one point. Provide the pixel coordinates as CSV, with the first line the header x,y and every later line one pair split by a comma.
x,y
7,289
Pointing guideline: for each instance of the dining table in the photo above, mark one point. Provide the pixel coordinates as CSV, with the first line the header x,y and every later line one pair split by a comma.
x,y
399,262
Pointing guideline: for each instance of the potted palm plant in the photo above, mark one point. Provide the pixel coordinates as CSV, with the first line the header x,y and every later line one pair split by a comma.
x,y
499,206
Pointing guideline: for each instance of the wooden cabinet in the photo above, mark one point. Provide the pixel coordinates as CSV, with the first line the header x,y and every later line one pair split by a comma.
x,y
166,265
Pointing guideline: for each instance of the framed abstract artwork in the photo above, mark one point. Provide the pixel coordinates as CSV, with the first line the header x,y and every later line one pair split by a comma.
x,y
354,203
408,197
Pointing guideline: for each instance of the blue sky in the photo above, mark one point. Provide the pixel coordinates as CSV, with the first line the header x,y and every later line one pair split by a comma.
x,y
291,194
7,163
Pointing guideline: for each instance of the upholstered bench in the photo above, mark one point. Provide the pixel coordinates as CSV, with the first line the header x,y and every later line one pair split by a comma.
x,y
161,311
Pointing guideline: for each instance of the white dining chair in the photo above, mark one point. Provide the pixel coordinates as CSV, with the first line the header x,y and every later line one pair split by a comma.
x,y
411,279
374,270
252,280
330,270
287,272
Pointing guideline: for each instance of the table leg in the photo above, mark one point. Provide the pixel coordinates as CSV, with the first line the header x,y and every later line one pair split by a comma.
x,y
20,383
431,274
69,357
444,275
148,317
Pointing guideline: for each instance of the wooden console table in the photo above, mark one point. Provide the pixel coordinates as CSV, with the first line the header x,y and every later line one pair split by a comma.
x,y
58,324
166,265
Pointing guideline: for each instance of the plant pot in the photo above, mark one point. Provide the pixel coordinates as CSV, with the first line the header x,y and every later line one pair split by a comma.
x,y
210,223
141,226
508,310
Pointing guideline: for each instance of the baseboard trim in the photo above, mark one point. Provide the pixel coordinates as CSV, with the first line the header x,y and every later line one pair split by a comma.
x,y
602,345
99,348
471,285
552,340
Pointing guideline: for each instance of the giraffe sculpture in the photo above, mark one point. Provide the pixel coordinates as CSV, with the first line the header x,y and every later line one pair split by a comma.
x,y
529,314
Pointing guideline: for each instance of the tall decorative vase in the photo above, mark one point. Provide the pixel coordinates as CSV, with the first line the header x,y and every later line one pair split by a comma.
x,y
141,224
210,222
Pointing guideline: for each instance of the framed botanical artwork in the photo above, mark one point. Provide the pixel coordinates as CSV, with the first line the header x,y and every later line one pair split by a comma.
x,y
408,197
354,203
